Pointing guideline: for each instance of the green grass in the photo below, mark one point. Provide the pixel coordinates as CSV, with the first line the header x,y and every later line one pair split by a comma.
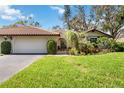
x,y
105,70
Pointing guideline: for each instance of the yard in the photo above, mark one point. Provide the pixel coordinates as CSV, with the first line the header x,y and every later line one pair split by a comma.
x,y
106,70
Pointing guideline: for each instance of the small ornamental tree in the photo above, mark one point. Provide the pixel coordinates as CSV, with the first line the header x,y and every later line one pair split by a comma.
x,y
51,47
6,47
72,39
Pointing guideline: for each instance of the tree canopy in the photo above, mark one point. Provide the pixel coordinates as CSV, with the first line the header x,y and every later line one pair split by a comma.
x,y
104,17
28,22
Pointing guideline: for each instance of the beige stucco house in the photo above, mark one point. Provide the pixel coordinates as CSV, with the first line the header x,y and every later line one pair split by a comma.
x,y
94,34
27,39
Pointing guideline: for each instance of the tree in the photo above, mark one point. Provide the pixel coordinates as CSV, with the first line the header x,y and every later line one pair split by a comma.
x,y
82,16
29,22
17,23
71,39
57,27
92,21
67,15
110,18
37,24
76,24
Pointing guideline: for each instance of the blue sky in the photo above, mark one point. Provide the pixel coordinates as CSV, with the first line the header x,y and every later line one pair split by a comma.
x,y
47,16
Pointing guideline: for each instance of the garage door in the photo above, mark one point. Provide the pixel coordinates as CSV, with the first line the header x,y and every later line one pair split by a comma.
x,y
29,45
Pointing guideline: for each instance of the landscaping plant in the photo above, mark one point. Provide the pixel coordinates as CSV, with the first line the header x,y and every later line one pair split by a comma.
x,y
86,48
118,47
6,47
51,47
104,43
73,51
72,39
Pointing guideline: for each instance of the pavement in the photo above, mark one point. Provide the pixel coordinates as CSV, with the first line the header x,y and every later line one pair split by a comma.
x,y
12,64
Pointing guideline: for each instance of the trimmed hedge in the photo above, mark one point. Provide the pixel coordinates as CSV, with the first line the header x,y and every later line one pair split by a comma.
x,y
51,47
6,47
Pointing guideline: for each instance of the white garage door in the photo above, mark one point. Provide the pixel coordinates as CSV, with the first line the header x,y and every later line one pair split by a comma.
x,y
30,45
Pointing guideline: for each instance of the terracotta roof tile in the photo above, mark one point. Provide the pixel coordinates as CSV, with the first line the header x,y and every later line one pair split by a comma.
x,y
26,31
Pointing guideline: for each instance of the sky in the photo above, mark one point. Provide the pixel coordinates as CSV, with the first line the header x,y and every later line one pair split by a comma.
x,y
47,16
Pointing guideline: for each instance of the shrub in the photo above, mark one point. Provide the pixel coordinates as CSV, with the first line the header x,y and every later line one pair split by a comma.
x,y
104,43
51,47
73,51
6,47
86,47
118,47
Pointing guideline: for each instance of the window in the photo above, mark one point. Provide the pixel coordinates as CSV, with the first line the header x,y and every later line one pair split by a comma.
x,y
93,39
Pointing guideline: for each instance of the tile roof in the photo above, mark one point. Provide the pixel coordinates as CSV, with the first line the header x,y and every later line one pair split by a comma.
x,y
26,31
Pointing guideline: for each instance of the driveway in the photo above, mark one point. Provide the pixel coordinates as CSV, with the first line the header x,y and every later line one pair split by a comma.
x,y
11,64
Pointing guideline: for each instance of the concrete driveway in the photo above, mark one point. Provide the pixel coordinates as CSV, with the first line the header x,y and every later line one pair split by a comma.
x,y
11,64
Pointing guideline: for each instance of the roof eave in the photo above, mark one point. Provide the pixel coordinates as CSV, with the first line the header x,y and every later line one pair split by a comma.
x,y
99,32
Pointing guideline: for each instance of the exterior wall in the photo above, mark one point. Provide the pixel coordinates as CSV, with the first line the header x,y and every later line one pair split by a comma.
x,y
35,44
29,41
94,34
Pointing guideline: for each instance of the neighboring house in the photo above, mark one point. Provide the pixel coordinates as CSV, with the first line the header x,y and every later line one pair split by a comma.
x,y
90,35
27,39
93,34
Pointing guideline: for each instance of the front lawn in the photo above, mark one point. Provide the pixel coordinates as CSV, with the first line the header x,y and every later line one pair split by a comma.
x,y
105,70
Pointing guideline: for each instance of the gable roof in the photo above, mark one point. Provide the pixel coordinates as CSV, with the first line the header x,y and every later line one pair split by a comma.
x,y
94,30
26,31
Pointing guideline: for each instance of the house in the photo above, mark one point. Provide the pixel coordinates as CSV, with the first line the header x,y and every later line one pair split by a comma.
x,y
27,39
93,34
90,35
